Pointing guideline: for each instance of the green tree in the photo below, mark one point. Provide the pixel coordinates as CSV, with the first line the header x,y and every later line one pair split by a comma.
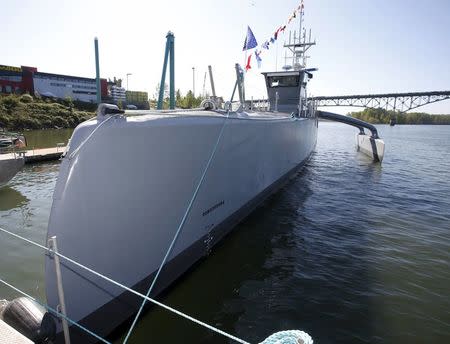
x,y
381,116
178,98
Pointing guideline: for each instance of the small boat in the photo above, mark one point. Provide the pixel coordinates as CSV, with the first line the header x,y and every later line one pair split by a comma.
x,y
10,140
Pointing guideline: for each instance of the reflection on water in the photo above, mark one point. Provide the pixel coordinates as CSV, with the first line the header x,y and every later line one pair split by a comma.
x,y
24,209
47,138
11,198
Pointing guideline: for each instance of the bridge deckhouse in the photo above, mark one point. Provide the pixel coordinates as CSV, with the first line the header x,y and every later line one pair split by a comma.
x,y
286,90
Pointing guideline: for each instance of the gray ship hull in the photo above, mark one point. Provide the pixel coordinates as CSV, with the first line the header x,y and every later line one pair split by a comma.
x,y
116,210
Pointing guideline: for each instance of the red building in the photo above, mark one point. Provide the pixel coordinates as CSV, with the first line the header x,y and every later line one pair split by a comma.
x,y
25,79
16,80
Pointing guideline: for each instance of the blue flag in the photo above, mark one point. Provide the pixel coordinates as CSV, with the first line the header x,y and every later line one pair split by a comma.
x,y
250,40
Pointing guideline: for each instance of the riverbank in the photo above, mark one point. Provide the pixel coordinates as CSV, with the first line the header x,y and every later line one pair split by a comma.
x,y
23,112
381,116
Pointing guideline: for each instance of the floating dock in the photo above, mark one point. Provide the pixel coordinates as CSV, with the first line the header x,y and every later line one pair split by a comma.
x,y
38,155
11,336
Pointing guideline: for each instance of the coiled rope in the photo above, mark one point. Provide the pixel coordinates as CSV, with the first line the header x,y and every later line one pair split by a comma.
x,y
289,337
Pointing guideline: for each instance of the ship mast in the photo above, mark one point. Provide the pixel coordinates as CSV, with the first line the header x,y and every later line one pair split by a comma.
x,y
299,46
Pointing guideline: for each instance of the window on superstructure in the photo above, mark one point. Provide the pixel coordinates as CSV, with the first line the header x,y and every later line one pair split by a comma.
x,y
283,81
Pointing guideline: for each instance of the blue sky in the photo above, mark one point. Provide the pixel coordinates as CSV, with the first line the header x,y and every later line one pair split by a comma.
x,y
362,46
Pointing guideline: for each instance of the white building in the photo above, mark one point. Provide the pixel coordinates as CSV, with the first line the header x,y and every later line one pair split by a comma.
x,y
63,86
118,93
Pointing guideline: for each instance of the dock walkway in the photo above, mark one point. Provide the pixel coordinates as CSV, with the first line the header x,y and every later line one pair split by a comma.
x,y
37,155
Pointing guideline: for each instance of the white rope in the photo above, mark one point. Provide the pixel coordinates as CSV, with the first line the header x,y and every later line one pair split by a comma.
x,y
170,309
89,136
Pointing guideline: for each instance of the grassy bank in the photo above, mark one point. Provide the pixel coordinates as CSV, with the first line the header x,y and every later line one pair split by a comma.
x,y
380,116
22,112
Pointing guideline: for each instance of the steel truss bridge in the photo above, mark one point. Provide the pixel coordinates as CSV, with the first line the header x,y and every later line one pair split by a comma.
x,y
401,102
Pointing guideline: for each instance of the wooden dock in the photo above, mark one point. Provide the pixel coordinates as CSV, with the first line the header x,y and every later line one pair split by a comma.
x,y
11,336
38,155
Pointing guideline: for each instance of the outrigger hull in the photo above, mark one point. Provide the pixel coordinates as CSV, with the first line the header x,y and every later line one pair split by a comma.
x,y
121,196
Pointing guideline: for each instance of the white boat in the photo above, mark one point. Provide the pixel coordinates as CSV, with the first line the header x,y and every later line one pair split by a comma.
x,y
11,141
10,164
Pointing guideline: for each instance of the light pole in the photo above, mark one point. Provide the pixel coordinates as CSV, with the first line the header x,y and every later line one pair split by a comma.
x,y
97,72
193,81
128,74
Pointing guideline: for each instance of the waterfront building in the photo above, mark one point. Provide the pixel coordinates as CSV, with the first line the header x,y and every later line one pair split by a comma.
x,y
65,86
19,80
117,94
16,79
137,98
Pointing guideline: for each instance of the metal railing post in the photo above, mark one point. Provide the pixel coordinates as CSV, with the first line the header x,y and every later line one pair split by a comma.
x,y
53,246
276,101
240,86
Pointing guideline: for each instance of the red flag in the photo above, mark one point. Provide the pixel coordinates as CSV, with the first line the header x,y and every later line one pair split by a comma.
x,y
276,32
247,67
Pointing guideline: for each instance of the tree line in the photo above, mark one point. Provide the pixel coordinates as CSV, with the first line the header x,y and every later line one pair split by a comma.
x,y
188,101
382,116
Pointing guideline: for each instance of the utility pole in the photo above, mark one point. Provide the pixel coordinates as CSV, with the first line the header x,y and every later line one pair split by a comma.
x,y
204,86
193,81
97,72
128,74
213,89
170,50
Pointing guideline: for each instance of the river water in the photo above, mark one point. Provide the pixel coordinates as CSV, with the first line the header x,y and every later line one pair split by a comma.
x,y
349,251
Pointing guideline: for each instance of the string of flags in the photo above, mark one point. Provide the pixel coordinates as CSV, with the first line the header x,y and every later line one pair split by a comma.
x,y
250,40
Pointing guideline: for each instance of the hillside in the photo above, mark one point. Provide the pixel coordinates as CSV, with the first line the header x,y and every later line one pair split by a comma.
x,y
25,112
